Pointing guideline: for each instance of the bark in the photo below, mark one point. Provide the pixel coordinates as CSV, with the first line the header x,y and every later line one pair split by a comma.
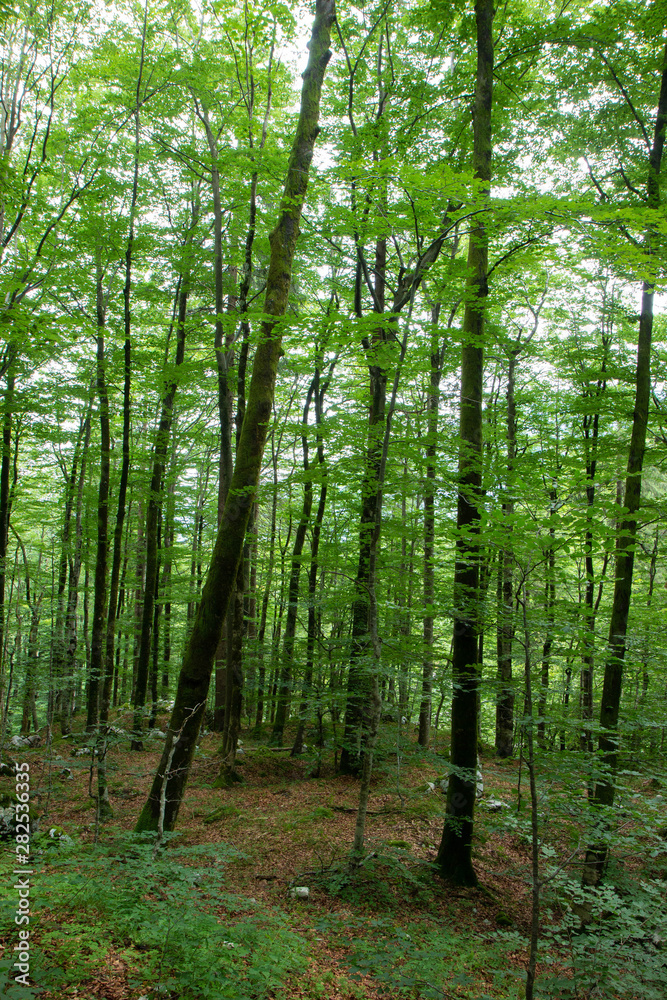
x,y
98,632
370,522
70,624
194,678
358,684
505,697
591,427
277,631
359,676
285,683
56,695
645,676
140,574
114,581
550,616
454,858
432,404
608,744
166,584
306,693
529,722
5,502
155,496
261,672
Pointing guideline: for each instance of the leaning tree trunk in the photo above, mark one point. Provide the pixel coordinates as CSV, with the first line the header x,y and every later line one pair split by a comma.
x,y
598,851
454,858
165,797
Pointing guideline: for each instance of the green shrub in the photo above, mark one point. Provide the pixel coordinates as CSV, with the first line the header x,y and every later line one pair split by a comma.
x,y
197,941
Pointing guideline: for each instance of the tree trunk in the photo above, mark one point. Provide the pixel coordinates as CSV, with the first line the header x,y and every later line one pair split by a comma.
x,y
70,624
5,500
285,683
550,617
157,482
306,693
505,696
598,851
97,646
261,672
432,404
454,858
591,427
169,784
358,684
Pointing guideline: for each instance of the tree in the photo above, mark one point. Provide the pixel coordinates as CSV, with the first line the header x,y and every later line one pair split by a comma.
x,y
161,809
597,854
455,852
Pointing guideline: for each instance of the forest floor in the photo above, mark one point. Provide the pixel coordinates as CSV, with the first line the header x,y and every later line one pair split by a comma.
x,y
214,914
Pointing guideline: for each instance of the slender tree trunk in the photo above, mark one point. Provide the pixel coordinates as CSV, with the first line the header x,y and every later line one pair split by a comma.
x,y
154,504
645,676
608,745
70,624
306,693
166,585
505,698
591,426
261,672
5,500
285,683
358,684
97,646
529,723
454,858
169,784
550,616
58,644
359,677
432,405
30,684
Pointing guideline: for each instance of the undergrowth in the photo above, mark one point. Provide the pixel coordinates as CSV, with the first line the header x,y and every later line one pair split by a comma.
x,y
181,932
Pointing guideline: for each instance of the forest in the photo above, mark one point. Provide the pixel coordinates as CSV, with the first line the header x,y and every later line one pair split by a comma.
x,y
333,514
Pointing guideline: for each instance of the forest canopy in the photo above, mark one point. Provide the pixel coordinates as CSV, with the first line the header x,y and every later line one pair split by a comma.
x,y
333,388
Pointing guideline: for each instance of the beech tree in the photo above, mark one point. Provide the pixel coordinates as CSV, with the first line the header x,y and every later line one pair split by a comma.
x,y
162,806
423,467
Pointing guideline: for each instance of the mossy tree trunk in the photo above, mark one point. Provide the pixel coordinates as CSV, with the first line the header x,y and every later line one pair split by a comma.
x,y
163,803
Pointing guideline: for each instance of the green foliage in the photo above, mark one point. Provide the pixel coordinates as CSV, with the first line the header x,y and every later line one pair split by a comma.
x,y
381,880
196,940
422,959
621,951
